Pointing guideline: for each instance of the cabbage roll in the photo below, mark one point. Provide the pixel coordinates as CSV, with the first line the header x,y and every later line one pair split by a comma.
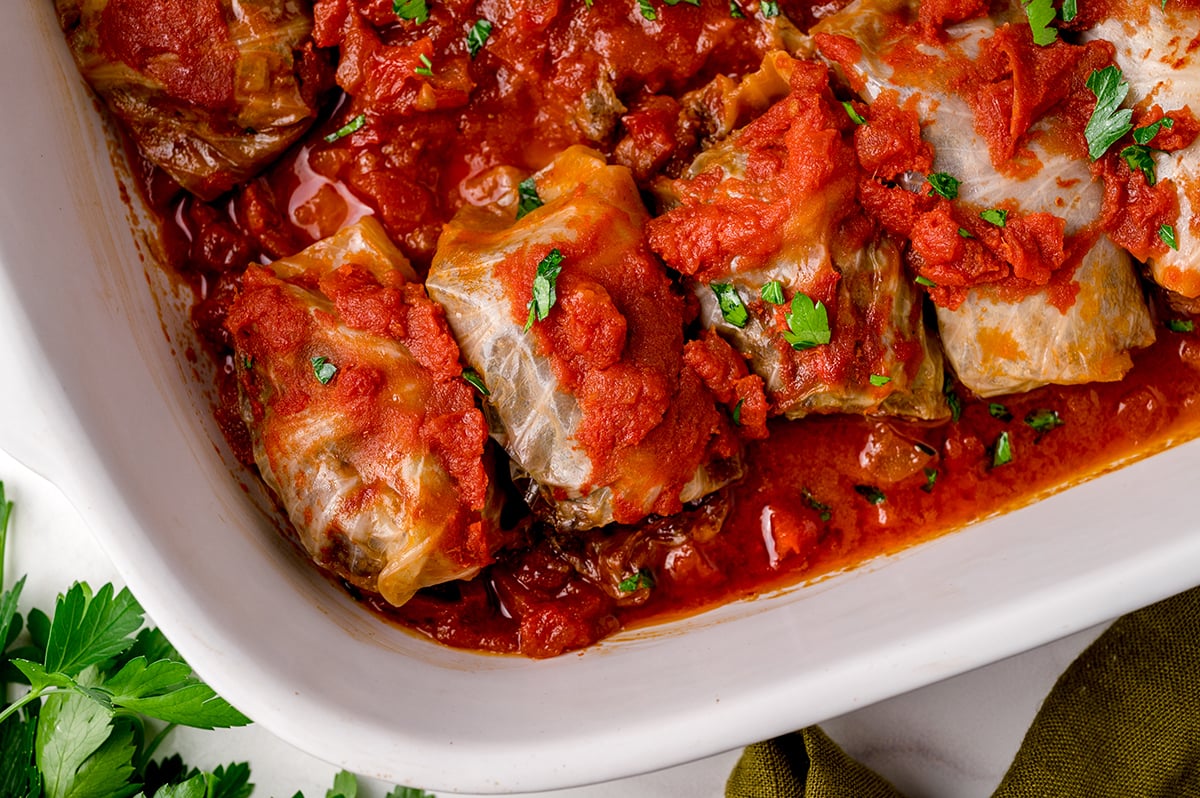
x,y
210,91
1052,301
361,422
588,388
1158,55
765,221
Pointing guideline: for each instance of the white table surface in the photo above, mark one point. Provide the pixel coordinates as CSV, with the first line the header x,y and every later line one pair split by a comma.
x,y
953,739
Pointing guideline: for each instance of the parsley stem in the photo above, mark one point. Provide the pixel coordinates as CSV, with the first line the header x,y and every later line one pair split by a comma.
x,y
5,513
155,742
31,696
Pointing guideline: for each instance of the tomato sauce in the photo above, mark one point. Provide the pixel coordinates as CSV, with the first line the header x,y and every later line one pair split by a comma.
x,y
818,494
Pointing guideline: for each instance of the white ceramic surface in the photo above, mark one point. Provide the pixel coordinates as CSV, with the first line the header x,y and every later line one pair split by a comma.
x,y
127,432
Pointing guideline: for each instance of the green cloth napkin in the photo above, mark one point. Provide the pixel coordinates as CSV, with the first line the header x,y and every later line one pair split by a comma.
x,y
1123,721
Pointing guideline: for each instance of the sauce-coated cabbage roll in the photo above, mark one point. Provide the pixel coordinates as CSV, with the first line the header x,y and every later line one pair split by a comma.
x,y
360,420
577,333
1005,232
767,224
211,91
1158,50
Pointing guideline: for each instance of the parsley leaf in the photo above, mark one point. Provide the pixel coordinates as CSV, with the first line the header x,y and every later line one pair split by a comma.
x,y
642,579
71,728
854,115
527,197
167,690
1040,14
544,282
415,10
735,11
996,216
19,775
737,412
1138,157
872,494
478,35
1002,453
1043,419
826,512
952,398
345,785
730,301
808,324
352,126
879,380
1109,122
1070,10
1181,325
472,377
1146,133
931,478
999,411
773,292
88,629
768,9
1167,234
425,70
409,792
323,370
925,281
944,185
647,10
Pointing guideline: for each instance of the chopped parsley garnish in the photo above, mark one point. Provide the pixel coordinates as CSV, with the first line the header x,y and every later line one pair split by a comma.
x,y
730,302
1181,325
808,324
944,185
647,10
416,10
323,370
925,281
773,292
527,197
879,380
996,216
965,233
768,9
544,282
1138,157
737,412
1146,133
1002,453
952,398
735,10
825,511
426,68
1167,234
1043,419
872,494
478,35
637,581
472,376
931,478
1070,10
1109,122
854,115
999,411
353,125
1040,14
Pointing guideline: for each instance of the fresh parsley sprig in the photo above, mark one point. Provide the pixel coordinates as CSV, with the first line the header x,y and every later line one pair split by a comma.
x,y
96,676
1108,122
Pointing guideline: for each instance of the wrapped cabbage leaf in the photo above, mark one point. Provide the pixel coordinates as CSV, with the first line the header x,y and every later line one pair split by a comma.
x,y
1040,298
1158,55
361,422
767,225
577,333
210,91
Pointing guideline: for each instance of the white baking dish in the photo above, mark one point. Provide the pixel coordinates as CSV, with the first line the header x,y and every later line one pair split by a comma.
x,y
97,392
